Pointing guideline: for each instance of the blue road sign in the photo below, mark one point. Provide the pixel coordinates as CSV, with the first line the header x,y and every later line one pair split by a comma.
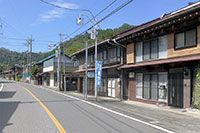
x,y
91,74
98,73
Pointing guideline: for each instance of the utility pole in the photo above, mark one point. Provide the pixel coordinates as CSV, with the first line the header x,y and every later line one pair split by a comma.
x,y
60,76
30,41
59,63
86,70
95,64
93,36
27,58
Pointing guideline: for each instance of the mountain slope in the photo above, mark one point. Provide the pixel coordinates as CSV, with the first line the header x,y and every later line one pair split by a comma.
x,y
9,58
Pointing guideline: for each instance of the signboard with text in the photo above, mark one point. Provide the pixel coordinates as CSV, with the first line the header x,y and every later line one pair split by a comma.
x,y
91,74
98,73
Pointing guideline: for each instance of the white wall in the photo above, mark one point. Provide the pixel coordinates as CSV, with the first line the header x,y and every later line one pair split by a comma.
x,y
52,79
48,69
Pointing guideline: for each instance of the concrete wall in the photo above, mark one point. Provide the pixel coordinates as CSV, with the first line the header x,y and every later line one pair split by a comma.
x,y
52,79
186,88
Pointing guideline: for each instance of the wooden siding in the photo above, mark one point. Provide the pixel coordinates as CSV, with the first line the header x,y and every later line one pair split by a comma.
x,y
130,58
81,62
182,52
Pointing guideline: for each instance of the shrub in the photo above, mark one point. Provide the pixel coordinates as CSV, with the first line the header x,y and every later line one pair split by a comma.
x,y
196,91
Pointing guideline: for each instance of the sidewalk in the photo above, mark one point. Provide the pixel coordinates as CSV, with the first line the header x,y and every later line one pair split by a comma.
x,y
175,119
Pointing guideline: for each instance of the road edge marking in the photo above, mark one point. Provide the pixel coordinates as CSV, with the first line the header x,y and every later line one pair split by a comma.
x,y
56,122
1,87
112,111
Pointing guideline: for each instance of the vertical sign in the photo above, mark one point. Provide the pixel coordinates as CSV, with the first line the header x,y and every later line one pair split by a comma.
x,y
98,73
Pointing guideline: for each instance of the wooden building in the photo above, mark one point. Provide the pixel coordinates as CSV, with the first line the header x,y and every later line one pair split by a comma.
x,y
162,57
111,56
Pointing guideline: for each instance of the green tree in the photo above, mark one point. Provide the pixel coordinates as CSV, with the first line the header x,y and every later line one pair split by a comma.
x,y
34,71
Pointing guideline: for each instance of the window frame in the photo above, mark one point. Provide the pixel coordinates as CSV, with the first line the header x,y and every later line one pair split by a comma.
x,y
184,31
150,44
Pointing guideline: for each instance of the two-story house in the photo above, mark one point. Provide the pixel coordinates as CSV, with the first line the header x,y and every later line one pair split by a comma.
x,y
49,73
111,56
162,57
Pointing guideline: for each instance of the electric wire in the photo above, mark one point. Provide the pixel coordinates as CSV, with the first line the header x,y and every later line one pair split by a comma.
x,y
111,13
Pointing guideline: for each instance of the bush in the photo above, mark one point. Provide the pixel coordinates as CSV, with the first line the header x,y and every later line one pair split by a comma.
x,y
196,92
196,106
19,77
9,76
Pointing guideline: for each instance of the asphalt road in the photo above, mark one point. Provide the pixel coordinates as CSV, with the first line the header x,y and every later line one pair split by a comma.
x,y
25,109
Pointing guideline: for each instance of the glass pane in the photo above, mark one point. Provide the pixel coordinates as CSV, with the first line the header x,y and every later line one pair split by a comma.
x,y
154,49
147,86
154,87
179,40
118,51
162,86
146,50
139,85
138,52
105,54
191,37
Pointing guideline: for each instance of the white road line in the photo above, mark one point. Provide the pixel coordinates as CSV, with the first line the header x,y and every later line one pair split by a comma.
x,y
109,110
1,87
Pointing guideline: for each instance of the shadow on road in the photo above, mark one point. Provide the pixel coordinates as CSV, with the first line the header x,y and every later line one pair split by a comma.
x,y
7,109
7,94
6,82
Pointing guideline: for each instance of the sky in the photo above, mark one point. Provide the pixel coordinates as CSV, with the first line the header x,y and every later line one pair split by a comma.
x,y
21,19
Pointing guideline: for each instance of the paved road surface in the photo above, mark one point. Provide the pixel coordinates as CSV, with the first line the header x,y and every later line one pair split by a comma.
x,y
28,109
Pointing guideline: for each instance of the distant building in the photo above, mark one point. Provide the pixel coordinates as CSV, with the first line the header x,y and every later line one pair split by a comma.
x,y
48,71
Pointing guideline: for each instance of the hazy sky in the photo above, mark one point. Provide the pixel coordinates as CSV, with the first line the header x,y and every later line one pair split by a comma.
x,y
22,18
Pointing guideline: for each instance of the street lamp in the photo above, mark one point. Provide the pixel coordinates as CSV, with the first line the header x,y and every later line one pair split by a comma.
x,y
94,37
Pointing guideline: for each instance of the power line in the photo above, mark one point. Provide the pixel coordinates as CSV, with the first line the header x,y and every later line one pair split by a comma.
x,y
22,39
3,20
111,13
93,17
85,10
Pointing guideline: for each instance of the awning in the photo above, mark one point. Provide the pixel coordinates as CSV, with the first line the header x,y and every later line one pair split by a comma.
x,y
162,61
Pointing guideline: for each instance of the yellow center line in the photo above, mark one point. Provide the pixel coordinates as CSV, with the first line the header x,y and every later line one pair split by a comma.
x,y
58,125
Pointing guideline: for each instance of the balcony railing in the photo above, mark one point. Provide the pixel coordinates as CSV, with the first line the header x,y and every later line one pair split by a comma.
x,y
106,62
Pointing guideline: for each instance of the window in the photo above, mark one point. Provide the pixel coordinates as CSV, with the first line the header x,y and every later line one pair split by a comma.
x,y
138,51
118,51
139,85
154,49
105,54
100,56
146,50
91,58
146,87
150,49
154,86
151,86
185,39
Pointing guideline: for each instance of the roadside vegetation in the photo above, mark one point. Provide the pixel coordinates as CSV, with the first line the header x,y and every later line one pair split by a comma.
x,y
34,71
196,92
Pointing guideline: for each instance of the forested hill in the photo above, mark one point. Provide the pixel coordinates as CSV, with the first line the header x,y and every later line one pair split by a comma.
x,y
78,42
9,58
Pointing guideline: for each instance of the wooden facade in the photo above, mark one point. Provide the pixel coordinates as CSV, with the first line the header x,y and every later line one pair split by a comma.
x,y
111,56
177,74
130,56
183,52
